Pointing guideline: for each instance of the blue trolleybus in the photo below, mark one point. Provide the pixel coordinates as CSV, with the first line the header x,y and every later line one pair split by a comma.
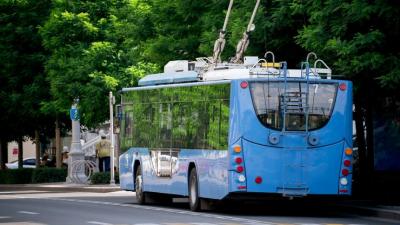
x,y
211,131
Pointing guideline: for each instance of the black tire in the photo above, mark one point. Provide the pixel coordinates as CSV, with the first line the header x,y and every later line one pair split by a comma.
x,y
194,200
140,195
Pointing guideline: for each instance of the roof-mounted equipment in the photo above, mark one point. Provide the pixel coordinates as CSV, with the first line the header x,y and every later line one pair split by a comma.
x,y
220,42
244,42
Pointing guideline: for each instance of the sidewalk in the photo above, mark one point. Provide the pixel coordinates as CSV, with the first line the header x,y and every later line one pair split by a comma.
x,y
61,187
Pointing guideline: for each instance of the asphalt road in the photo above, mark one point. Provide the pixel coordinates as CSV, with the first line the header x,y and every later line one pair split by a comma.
x,y
39,207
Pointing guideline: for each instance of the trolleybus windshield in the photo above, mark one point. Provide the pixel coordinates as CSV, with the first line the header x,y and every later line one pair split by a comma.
x,y
271,99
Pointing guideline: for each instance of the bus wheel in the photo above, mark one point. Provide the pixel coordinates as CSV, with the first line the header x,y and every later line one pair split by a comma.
x,y
194,200
140,197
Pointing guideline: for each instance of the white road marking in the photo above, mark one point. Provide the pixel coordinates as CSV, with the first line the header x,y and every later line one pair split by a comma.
x,y
99,223
59,197
28,212
203,223
5,217
147,224
154,208
309,224
20,192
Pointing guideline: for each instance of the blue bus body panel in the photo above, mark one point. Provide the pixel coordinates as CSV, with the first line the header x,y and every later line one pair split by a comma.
x,y
305,170
126,170
292,163
210,165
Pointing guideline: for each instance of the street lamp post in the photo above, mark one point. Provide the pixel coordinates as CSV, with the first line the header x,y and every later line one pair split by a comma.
x,y
76,152
112,101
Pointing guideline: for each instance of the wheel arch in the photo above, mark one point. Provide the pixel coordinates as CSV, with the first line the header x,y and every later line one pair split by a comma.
x,y
135,168
190,167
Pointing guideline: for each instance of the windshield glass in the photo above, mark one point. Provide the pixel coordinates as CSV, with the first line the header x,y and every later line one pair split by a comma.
x,y
270,101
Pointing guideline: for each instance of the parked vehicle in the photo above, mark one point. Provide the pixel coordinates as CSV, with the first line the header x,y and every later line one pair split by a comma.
x,y
27,163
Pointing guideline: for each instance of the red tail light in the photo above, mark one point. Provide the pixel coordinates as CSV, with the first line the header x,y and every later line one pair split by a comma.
x,y
238,160
258,180
239,169
342,87
347,162
244,84
345,172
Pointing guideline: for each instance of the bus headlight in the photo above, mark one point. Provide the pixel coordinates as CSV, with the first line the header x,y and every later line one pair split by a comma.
x,y
343,181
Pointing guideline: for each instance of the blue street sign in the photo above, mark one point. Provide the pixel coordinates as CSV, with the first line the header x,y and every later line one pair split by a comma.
x,y
74,114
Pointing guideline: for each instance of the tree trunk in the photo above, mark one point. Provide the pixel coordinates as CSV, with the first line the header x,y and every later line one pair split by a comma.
x,y
3,153
20,152
37,148
58,145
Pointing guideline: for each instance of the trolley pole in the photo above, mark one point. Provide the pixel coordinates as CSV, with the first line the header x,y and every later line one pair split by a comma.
x,y
111,98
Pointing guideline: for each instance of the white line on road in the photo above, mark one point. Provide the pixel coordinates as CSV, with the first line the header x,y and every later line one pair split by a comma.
x,y
28,212
203,223
5,217
154,208
98,223
147,224
20,192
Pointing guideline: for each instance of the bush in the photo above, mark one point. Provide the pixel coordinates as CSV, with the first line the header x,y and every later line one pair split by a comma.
x,y
48,175
17,176
30,175
103,178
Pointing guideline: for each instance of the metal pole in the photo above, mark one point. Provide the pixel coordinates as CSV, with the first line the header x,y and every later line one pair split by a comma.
x,y
252,16
227,16
111,98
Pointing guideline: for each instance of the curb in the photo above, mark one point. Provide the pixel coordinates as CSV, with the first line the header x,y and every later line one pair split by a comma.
x,y
60,188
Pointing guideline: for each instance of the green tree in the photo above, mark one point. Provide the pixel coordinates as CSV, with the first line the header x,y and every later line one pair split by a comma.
x,y
91,54
22,83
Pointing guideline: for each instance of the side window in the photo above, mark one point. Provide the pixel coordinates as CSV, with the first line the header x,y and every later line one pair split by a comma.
x,y
192,117
128,124
165,125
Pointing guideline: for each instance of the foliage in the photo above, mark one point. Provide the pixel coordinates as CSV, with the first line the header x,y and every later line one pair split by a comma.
x,y
90,55
103,178
30,175
22,81
17,176
48,175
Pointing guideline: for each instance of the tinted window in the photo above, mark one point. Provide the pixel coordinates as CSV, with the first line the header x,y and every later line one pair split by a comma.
x,y
193,117
270,101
